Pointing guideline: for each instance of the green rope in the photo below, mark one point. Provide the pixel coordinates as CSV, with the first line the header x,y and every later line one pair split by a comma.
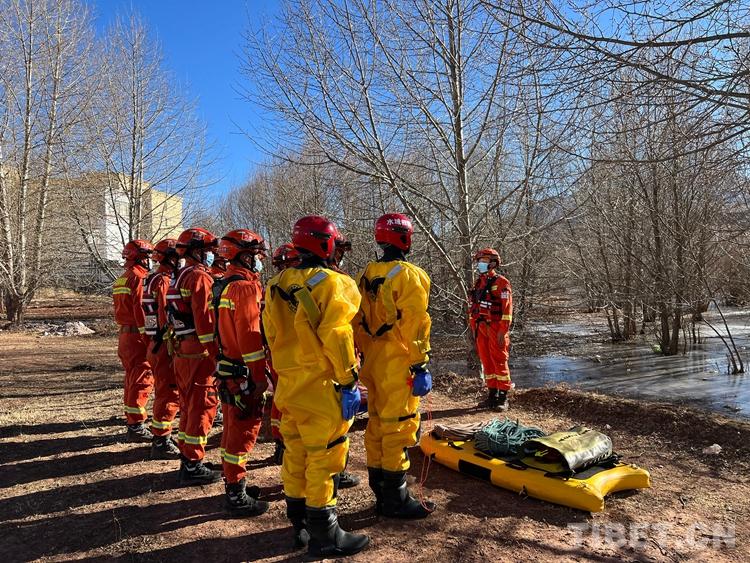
x,y
504,437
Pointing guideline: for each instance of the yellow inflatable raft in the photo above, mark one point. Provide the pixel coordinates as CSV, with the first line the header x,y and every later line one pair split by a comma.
x,y
585,490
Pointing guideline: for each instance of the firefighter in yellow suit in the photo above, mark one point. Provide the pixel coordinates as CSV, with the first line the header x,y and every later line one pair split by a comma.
x,y
393,332
308,325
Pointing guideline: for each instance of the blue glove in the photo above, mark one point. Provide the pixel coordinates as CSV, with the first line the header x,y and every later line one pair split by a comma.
x,y
422,382
350,399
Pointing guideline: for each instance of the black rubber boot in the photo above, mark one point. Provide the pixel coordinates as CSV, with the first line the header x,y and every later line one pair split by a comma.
x,y
239,503
295,511
139,433
397,502
327,539
502,401
348,480
375,480
492,398
196,473
278,452
162,447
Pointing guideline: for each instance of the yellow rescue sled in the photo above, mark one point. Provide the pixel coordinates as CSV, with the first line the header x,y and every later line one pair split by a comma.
x,y
585,490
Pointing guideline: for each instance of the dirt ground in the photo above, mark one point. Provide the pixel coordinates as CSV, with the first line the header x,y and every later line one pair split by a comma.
x,y
72,489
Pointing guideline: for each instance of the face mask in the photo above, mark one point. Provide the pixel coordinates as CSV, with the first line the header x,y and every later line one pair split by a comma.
x,y
149,264
208,258
341,262
483,267
257,264
180,263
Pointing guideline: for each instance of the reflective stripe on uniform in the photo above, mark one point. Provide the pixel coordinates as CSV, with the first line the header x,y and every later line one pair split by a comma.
x,y
253,356
205,338
181,436
185,292
142,329
121,291
240,459
135,410
506,318
226,303
498,377
161,424
195,440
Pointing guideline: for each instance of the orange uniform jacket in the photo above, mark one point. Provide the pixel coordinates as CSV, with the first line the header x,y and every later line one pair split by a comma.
x,y
239,322
492,302
127,292
159,288
196,290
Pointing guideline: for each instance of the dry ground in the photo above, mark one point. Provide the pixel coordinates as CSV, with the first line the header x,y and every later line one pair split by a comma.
x,y
71,489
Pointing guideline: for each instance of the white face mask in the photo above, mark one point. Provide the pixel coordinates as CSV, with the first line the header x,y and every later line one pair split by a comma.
x,y
257,264
149,264
181,263
208,258
483,267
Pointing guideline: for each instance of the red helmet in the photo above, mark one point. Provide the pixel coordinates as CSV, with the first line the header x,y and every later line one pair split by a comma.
x,y
394,229
239,241
194,238
316,235
285,256
137,249
489,253
164,249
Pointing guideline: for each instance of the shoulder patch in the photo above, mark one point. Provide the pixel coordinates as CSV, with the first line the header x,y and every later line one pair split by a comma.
x,y
317,278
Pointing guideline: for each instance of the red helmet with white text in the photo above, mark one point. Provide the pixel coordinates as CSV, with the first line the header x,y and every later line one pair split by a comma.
x,y
394,229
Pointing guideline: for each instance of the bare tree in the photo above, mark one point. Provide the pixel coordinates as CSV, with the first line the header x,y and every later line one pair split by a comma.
x,y
44,46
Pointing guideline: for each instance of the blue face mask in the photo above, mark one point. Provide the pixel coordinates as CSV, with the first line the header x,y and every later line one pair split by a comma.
x,y
483,267
208,259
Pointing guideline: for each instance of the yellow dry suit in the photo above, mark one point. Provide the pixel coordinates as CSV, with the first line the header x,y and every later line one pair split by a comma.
x,y
392,330
308,325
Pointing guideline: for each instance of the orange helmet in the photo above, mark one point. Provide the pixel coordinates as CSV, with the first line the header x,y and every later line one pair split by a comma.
x,y
285,256
316,235
165,249
489,253
238,241
195,238
394,229
137,249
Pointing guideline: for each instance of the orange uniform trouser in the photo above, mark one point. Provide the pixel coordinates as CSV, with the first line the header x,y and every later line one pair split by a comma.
x,y
194,369
139,380
166,394
237,441
492,347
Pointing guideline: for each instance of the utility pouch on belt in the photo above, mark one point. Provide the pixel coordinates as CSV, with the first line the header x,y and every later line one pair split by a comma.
x,y
227,368
567,452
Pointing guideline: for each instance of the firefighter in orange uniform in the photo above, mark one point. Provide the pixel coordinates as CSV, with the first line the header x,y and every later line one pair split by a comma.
x,y
127,292
191,320
241,363
490,315
166,395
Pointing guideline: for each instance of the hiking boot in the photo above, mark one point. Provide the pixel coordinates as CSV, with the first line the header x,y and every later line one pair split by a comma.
x,y
239,503
295,511
492,398
348,480
219,418
162,447
278,452
327,539
375,480
502,401
397,502
195,473
139,433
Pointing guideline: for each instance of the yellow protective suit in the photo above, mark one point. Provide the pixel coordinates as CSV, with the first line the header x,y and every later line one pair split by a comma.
x,y
308,326
392,330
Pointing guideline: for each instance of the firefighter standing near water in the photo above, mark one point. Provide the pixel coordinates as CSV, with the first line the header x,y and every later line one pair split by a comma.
x,y
241,363
393,333
490,316
127,292
307,322
192,323
166,395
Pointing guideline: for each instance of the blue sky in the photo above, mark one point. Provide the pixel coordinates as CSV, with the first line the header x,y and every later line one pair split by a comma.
x,y
201,41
